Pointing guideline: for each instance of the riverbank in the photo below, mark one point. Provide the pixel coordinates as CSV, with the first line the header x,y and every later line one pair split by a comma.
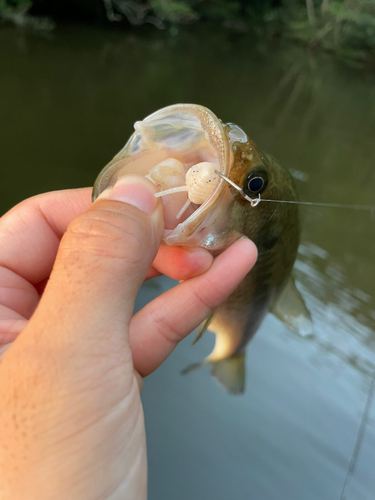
x,y
344,29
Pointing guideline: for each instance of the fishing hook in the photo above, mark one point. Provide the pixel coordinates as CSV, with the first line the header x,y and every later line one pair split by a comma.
x,y
253,201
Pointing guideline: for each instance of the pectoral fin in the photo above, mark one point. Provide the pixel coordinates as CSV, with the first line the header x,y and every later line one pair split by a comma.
x,y
203,327
230,373
290,308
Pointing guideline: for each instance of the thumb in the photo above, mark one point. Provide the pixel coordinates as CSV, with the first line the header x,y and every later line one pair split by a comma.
x,y
101,263
71,367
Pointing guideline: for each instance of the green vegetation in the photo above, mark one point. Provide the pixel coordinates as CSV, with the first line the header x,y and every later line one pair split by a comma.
x,y
17,12
163,12
344,27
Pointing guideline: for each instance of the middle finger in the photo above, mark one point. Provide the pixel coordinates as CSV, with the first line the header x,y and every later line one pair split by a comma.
x,y
180,263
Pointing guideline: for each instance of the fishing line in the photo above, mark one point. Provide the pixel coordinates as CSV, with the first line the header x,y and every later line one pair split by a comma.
x,y
255,201
329,205
360,436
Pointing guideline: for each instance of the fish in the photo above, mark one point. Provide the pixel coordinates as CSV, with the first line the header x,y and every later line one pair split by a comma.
x,y
189,153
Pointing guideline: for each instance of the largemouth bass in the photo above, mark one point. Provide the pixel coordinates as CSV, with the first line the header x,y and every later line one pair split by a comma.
x,y
183,149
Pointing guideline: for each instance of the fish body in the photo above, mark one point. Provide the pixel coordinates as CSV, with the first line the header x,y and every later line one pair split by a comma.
x,y
275,229
192,134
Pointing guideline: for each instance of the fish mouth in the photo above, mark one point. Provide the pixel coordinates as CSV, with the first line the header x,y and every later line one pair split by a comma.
x,y
176,147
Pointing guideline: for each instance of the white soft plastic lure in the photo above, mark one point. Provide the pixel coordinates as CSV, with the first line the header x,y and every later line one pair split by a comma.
x,y
201,182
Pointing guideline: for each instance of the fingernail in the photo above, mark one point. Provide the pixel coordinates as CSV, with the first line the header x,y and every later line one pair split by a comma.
x,y
134,190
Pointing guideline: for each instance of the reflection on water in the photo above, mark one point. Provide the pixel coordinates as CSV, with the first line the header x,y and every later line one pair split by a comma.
x,y
67,105
343,315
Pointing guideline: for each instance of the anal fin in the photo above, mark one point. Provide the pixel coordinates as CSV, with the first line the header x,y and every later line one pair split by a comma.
x,y
192,367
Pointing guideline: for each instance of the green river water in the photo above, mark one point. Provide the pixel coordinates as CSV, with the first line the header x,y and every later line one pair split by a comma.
x,y
67,104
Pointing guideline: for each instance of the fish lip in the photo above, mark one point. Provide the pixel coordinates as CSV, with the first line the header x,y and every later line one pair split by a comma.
x,y
189,226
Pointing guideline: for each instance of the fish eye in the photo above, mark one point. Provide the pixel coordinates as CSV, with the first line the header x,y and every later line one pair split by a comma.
x,y
255,183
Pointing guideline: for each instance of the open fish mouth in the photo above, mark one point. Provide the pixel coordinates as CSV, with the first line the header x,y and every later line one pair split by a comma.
x,y
180,148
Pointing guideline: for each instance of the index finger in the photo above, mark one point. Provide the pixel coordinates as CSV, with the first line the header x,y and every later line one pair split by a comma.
x,y
30,232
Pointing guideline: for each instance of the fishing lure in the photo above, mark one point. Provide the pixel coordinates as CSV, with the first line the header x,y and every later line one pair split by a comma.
x,y
201,181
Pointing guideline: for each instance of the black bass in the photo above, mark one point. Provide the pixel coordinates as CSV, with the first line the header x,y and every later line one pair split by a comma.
x,y
186,150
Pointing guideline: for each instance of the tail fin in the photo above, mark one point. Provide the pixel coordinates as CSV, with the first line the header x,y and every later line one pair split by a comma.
x,y
230,373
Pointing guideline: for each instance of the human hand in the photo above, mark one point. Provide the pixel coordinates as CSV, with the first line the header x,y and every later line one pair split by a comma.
x,y
71,420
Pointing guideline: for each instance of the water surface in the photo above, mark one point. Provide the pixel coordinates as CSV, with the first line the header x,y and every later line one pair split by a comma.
x,y
67,105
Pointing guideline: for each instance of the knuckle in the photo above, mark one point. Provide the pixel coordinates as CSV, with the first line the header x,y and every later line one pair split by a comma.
x,y
170,331
107,233
208,296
